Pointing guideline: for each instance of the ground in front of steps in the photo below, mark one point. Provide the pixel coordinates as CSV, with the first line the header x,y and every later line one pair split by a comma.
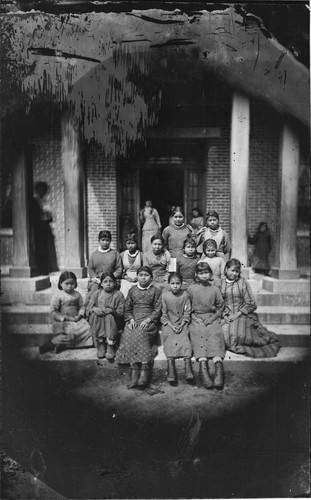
x,y
77,427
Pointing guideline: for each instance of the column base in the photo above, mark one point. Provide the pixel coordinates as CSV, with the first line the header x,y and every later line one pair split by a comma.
x,y
24,272
285,274
80,272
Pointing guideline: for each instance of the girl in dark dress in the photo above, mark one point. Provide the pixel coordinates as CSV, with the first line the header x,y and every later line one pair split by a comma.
x,y
205,327
263,246
141,315
175,318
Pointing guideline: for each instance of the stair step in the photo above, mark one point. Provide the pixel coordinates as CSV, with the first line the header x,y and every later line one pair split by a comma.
x,y
265,298
284,315
287,356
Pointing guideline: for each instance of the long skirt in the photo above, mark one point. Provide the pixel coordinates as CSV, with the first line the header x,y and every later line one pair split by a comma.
x,y
103,327
176,345
246,335
207,341
74,334
137,346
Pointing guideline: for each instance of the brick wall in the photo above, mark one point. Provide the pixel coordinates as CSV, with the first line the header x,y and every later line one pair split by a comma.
x,y
101,197
263,170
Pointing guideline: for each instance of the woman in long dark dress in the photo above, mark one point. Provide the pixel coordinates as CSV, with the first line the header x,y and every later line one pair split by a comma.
x,y
263,246
141,315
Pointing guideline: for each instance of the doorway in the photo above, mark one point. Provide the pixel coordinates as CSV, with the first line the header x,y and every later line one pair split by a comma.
x,y
164,187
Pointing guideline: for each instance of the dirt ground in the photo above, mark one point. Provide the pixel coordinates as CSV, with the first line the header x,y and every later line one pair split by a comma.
x,y
77,427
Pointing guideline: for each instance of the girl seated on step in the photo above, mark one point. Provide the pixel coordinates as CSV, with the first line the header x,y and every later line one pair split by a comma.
x,y
105,314
243,332
176,309
205,326
67,308
142,312
132,260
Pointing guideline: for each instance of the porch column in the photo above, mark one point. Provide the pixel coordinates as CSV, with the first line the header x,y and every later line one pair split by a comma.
x,y
73,198
286,259
24,263
239,159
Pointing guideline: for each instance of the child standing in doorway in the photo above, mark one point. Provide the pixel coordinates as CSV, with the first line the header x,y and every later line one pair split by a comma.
x,y
187,262
217,264
150,220
215,232
132,260
67,308
197,221
205,327
138,341
105,314
263,246
175,318
175,234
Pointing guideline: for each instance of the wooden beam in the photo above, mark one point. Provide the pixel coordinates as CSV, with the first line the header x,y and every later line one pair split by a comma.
x,y
183,133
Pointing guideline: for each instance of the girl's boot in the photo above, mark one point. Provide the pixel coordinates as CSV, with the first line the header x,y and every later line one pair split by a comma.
x,y
144,375
46,347
171,370
134,376
207,382
110,352
188,369
219,375
100,348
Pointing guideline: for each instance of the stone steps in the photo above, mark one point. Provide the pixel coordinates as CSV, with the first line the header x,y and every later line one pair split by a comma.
x,y
286,358
290,315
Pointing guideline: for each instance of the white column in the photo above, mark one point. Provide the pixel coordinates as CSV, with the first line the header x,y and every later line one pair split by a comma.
x,y
73,198
286,257
239,161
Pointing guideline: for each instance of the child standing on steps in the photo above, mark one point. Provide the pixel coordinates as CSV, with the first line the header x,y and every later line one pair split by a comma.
x,y
217,264
215,232
205,327
132,260
68,309
175,318
187,262
175,234
243,332
158,260
105,313
263,246
141,315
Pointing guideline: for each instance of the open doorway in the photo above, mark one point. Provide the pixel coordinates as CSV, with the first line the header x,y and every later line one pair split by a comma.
x,y
164,187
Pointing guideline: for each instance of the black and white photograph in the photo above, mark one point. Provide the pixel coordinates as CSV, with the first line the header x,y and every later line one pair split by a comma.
x,y
155,249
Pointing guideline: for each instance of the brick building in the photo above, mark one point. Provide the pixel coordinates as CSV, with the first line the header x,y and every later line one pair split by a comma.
x,y
110,112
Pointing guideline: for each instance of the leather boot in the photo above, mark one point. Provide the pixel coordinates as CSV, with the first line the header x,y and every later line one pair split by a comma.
x,y
144,375
188,369
134,376
207,382
219,375
171,370
100,348
110,352
46,347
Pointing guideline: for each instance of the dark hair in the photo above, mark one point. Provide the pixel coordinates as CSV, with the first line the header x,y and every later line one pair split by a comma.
x,y
174,275
41,185
177,209
157,237
263,224
104,234
209,243
197,210
106,274
212,213
66,275
189,241
131,237
146,269
203,266
233,263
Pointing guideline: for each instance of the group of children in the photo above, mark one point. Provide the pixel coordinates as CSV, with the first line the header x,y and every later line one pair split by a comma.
x,y
200,304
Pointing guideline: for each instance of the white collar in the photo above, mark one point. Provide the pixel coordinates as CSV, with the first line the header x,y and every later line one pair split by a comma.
x,y
230,281
132,255
214,230
143,288
104,251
